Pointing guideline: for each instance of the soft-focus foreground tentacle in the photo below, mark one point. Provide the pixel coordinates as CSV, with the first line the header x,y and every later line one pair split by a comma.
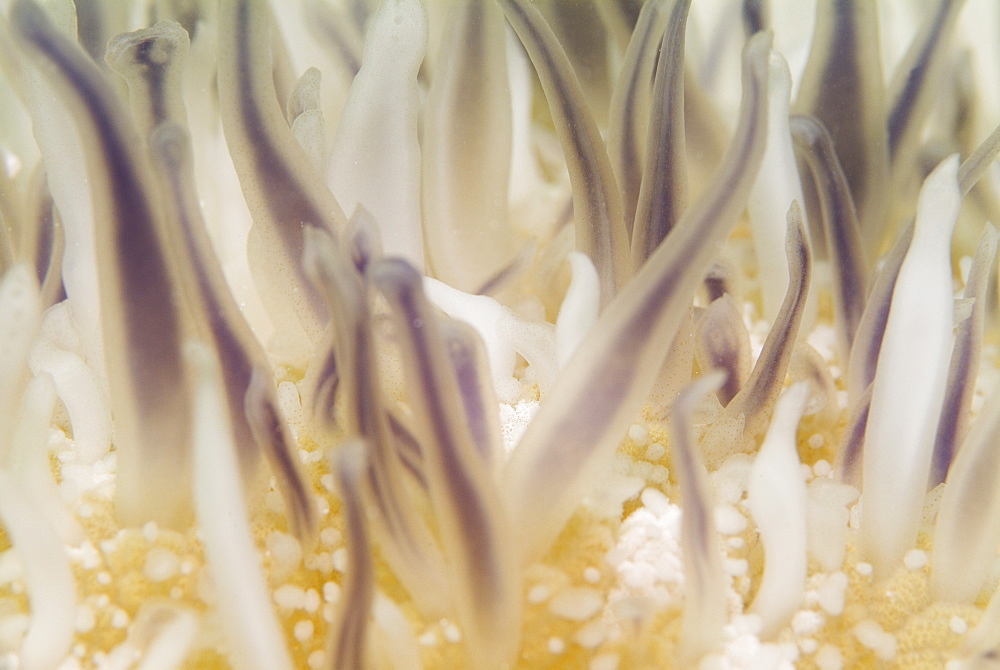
x,y
349,632
25,411
755,401
840,226
283,191
597,204
48,576
842,87
43,241
906,398
400,530
13,220
470,517
629,112
20,316
467,136
139,312
663,195
614,368
705,605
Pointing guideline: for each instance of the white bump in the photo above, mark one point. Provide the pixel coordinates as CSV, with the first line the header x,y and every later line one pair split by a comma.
x,y
289,597
303,630
638,434
915,559
311,602
330,537
451,632
832,593
340,560
729,520
161,564
331,592
150,531
539,594
577,604
829,658
736,567
591,635
871,635
822,468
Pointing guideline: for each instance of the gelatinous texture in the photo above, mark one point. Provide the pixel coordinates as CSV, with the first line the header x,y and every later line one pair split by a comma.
x,y
139,313
467,135
305,116
43,242
906,398
597,204
401,533
579,308
248,618
630,104
468,357
967,531
615,367
152,63
375,161
26,410
840,228
776,187
258,424
777,498
722,342
755,17
473,525
348,643
871,328
754,403
705,598
284,193
663,194
842,87
21,307
911,92
956,410
48,576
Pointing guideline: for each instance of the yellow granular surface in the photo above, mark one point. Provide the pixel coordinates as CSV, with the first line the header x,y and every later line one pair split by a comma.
x,y
117,574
